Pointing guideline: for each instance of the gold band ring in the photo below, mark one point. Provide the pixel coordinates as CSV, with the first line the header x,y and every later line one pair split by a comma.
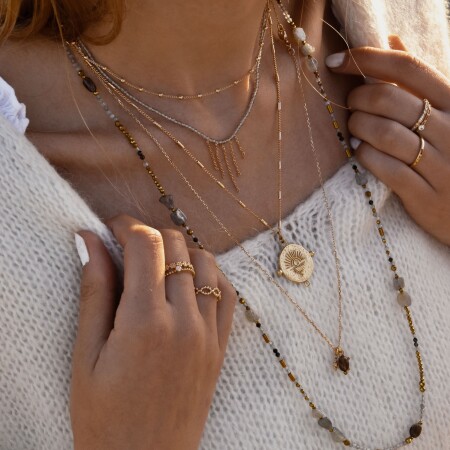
x,y
208,290
178,267
420,154
423,119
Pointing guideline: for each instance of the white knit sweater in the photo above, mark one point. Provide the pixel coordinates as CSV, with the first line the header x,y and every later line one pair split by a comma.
x,y
255,407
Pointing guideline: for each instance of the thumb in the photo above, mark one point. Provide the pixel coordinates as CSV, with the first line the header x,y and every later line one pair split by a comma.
x,y
97,299
395,43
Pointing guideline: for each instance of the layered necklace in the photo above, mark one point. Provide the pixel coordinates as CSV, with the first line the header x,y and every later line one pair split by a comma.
x,y
132,105
295,261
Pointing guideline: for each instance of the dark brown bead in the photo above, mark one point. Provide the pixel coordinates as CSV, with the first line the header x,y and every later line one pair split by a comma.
x,y
415,431
89,84
343,363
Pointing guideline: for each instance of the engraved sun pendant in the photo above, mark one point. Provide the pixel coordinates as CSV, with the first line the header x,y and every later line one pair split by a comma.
x,y
296,264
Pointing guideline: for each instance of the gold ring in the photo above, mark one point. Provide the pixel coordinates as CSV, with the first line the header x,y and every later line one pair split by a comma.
x,y
423,119
208,290
178,267
420,154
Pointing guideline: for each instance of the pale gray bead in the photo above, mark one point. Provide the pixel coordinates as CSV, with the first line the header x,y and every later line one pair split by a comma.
x,y
325,422
361,178
307,49
251,316
178,217
337,435
404,299
300,35
167,201
317,413
399,283
312,64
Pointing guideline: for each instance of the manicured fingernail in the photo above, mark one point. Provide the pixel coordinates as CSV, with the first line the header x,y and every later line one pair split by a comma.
x,y
354,143
334,61
81,249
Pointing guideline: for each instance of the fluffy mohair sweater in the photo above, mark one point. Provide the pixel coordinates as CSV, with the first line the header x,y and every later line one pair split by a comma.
x,y
255,407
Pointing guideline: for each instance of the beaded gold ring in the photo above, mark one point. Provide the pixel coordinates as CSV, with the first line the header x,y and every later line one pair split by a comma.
x,y
178,267
208,290
423,119
420,154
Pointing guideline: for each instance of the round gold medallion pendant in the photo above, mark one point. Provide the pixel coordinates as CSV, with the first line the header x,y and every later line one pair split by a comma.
x,y
296,264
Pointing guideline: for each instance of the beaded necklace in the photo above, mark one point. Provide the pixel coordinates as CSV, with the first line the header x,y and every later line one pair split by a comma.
x,y
180,219
341,361
218,149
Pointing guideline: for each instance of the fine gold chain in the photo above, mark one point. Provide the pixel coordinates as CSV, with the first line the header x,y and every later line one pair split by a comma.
x,y
172,96
84,51
283,37
285,292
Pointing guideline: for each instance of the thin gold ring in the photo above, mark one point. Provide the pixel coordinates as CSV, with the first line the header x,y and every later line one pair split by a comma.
x,y
208,290
423,119
178,267
420,154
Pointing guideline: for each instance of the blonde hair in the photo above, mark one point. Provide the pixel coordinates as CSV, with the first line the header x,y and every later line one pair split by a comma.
x,y
28,18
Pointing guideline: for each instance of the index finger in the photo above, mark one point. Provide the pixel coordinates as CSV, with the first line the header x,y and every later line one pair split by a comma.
x,y
144,265
395,66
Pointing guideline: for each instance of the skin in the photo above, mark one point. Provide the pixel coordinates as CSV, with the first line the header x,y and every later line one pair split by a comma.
x,y
135,341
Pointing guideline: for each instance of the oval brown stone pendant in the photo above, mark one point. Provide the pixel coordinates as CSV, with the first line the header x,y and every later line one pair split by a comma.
x,y
341,361
296,264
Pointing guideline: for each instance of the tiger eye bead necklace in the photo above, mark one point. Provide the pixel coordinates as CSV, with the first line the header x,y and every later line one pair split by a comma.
x,y
180,219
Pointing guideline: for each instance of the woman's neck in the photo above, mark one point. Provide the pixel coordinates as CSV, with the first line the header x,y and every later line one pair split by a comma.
x,y
187,47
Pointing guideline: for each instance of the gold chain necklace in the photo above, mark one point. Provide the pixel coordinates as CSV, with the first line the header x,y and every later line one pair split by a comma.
x,y
295,262
160,94
340,358
218,149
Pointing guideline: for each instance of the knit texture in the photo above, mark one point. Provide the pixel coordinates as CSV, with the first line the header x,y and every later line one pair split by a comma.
x,y
255,406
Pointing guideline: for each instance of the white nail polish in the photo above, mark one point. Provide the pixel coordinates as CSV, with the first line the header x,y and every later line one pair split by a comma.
x,y
81,249
354,143
335,60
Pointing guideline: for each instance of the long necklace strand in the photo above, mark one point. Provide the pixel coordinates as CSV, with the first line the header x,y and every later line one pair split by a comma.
x,y
340,359
323,421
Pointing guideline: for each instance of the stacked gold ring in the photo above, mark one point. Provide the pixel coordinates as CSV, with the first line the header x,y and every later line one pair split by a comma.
x,y
208,290
420,154
178,267
423,119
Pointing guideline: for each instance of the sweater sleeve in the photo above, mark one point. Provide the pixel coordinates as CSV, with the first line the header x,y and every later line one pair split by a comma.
x,y
39,291
422,25
11,109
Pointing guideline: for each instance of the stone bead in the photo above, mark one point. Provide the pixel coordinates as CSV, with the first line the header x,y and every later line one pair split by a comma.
x,y
167,201
307,49
325,422
338,436
89,84
361,178
317,413
404,299
312,64
415,430
343,364
299,35
178,217
399,283
251,316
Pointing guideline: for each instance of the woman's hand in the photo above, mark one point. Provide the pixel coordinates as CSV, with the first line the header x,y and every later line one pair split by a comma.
x,y
145,366
382,115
